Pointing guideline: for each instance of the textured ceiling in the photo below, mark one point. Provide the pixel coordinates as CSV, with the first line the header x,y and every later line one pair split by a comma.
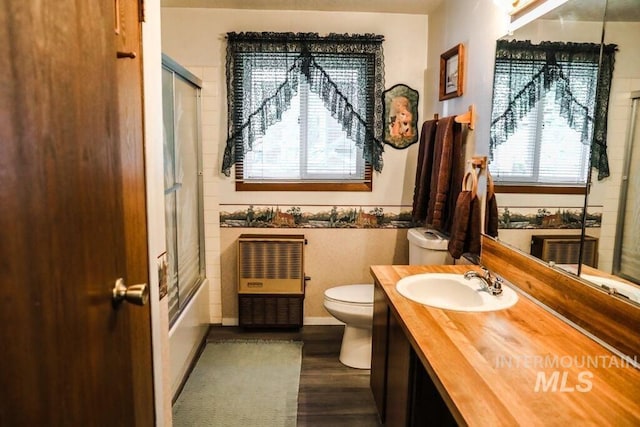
x,y
580,10
592,10
421,7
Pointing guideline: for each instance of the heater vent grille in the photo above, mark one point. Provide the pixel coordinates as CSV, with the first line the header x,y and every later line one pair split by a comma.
x,y
270,280
565,249
271,264
271,259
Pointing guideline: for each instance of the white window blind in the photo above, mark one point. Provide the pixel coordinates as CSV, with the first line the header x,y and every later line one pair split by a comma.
x,y
308,144
544,148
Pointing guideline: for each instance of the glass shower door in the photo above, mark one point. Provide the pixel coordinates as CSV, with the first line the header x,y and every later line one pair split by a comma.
x,y
183,184
626,262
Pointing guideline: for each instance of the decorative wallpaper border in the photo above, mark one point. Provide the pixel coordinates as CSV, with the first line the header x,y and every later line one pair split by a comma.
x,y
317,216
325,216
545,218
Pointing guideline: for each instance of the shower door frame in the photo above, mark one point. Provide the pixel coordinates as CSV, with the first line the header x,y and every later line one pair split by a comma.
x,y
631,130
178,72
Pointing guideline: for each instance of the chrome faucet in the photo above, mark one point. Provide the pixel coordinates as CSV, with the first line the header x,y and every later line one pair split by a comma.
x,y
490,283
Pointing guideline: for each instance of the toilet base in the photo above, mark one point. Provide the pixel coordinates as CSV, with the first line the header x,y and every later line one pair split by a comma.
x,y
355,350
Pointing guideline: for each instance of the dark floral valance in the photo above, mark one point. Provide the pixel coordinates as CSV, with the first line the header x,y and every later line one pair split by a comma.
x,y
319,60
526,72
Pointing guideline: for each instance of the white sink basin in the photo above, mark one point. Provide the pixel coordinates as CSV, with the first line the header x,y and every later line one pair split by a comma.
x,y
629,291
453,292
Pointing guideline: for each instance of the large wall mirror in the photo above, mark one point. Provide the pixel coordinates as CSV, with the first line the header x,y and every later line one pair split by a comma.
x,y
618,194
548,223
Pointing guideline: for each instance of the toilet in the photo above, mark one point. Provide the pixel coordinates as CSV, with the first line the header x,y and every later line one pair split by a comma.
x,y
353,304
428,247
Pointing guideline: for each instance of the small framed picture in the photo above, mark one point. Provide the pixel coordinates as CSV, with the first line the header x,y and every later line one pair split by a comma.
x,y
452,72
400,116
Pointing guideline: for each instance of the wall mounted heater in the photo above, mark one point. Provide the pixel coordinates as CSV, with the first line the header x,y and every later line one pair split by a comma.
x,y
271,280
565,249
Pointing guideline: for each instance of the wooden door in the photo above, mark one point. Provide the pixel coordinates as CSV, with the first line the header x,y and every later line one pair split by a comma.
x,y
71,222
129,86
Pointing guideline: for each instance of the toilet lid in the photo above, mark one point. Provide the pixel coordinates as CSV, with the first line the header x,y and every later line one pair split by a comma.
x,y
356,294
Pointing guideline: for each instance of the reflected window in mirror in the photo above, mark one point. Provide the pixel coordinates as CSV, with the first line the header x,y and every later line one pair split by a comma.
x,y
549,113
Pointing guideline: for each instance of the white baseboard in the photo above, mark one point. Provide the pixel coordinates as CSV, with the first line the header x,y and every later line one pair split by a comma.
x,y
322,321
233,321
229,321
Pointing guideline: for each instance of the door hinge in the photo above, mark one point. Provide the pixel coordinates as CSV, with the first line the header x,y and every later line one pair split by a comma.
x,y
140,10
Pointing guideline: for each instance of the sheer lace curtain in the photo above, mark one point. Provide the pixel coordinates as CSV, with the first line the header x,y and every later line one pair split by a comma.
x,y
525,72
257,102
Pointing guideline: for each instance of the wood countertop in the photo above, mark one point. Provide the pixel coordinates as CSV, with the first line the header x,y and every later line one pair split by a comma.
x,y
518,366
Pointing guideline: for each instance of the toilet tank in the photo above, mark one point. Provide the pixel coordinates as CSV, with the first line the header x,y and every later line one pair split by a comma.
x,y
428,247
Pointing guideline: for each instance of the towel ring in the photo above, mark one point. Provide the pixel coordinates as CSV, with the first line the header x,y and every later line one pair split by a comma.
x,y
490,185
474,182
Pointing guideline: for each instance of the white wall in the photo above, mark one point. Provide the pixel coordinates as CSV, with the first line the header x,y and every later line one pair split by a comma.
x,y
195,38
152,81
477,24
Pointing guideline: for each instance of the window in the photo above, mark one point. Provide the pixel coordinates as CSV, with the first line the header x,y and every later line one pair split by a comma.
x,y
544,149
545,104
183,186
307,144
304,111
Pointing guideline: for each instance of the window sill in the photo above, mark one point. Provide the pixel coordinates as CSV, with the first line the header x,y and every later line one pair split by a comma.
x,y
304,186
540,189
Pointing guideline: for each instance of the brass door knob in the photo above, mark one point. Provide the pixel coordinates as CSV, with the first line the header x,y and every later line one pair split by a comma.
x,y
135,294
130,55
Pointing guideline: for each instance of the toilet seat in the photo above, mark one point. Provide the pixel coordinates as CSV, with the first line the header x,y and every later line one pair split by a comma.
x,y
351,294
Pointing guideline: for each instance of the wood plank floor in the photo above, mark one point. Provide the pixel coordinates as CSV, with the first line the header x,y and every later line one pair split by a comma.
x,y
330,394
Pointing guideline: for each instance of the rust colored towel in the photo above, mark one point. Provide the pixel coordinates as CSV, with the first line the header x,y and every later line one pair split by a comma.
x,y
423,172
491,216
457,174
460,224
465,229
472,242
441,176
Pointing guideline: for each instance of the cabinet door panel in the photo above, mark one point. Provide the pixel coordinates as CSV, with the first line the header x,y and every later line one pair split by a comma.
x,y
398,376
378,379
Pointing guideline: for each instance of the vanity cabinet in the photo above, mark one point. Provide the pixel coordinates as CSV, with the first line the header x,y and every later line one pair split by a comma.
x,y
390,364
438,367
403,391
